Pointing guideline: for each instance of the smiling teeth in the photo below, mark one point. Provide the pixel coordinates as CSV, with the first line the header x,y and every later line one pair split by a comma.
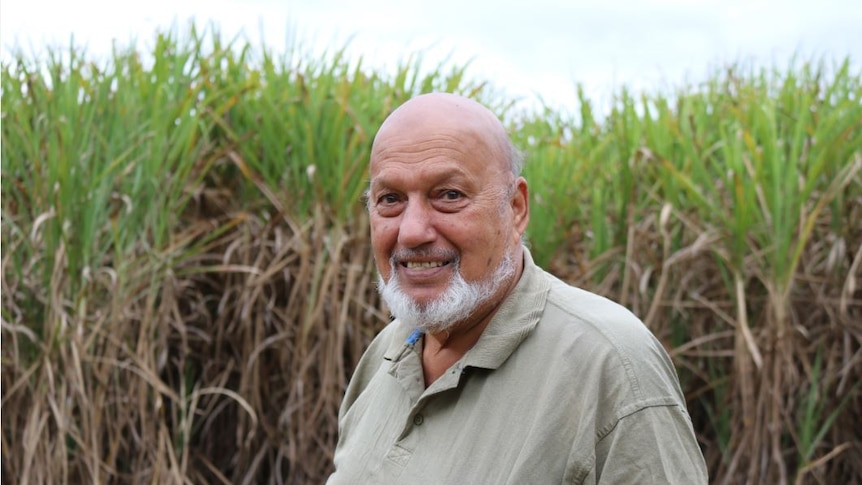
x,y
423,265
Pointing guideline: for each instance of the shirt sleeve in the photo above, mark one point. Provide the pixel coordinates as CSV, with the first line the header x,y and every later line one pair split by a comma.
x,y
653,445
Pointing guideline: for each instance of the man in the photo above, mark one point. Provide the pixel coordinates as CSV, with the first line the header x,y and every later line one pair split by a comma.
x,y
493,371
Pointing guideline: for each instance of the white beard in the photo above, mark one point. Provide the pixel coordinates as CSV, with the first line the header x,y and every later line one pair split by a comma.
x,y
454,305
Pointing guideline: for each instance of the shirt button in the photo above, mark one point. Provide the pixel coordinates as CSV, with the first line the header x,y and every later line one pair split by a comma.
x,y
418,420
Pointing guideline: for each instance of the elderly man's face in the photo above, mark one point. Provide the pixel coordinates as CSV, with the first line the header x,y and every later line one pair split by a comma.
x,y
442,199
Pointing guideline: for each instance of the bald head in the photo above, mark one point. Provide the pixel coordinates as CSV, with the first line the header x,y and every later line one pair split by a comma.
x,y
445,114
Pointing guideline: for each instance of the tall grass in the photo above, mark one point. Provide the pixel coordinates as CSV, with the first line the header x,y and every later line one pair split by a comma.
x,y
187,281
184,237
723,215
96,163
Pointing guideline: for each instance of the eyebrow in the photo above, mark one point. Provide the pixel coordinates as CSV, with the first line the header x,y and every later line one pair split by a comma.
x,y
437,179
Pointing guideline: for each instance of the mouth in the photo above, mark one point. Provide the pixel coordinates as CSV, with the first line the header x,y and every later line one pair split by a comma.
x,y
423,264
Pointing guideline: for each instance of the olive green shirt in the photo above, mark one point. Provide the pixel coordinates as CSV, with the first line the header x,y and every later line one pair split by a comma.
x,y
563,386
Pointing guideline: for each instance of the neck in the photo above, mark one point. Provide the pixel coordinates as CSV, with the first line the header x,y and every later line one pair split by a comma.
x,y
459,336
441,350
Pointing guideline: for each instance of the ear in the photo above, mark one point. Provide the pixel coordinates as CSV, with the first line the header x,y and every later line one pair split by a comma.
x,y
520,206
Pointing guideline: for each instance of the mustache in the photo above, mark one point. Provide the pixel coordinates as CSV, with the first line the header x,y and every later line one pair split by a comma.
x,y
432,253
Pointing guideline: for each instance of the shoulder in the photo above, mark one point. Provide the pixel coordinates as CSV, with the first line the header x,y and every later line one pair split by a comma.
x,y
603,339
578,312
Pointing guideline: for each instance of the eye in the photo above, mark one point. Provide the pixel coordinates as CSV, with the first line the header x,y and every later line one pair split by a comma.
x,y
452,195
387,199
388,204
450,200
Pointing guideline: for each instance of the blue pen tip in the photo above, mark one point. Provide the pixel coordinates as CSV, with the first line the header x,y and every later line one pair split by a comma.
x,y
414,337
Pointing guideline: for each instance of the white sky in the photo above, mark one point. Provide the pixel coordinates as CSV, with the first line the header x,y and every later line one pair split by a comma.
x,y
526,49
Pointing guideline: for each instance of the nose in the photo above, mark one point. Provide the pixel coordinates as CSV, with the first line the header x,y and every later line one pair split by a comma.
x,y
416,228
